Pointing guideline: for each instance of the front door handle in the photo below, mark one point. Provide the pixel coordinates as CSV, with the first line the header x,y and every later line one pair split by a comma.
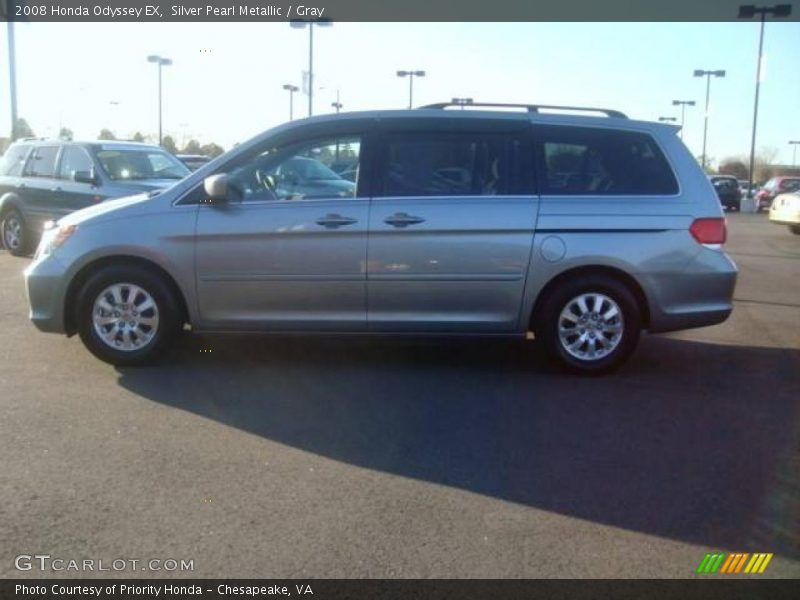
x,y
402,219
334,221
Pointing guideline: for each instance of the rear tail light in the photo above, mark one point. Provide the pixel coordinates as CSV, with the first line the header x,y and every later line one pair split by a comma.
x,y
709,231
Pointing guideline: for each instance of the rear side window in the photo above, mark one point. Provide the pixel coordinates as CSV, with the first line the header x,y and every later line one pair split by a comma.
x,y
601,162
462,164
42,162
13,161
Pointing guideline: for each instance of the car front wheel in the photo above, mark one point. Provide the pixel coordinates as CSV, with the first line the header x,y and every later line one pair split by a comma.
x,y
590,325
15,237
126,315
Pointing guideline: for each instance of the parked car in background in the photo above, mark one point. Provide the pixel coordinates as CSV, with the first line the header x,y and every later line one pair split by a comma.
x,y
773,187
43,180
193,161
785,210
728,191
585,230
306,177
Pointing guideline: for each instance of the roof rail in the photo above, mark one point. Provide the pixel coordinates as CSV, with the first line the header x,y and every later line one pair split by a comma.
x,y
531,108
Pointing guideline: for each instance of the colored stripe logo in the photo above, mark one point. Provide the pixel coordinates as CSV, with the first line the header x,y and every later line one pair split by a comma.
x,y
731,564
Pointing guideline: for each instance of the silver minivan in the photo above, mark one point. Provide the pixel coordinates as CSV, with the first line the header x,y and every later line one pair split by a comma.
x,y
581,229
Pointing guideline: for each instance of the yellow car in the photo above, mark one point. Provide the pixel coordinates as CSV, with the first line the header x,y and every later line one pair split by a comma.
x,y
785,210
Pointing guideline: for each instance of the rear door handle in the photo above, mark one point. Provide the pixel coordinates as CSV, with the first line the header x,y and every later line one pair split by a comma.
x,y
402,219
334,221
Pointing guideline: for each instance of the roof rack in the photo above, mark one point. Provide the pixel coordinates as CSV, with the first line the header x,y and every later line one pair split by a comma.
x,y
531,108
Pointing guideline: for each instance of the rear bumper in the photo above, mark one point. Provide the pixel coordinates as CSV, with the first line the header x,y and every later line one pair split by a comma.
x,y
45,284
699,296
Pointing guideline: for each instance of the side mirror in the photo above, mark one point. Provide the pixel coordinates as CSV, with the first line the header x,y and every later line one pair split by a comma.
x,y
216,186
84,177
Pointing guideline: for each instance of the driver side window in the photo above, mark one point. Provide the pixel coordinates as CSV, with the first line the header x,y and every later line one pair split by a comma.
x,y
326,168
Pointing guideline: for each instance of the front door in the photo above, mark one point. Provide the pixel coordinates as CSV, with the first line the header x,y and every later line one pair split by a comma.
x,y
288,251
451,228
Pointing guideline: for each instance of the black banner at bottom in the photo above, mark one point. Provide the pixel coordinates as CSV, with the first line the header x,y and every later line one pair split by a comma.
x,y
405,589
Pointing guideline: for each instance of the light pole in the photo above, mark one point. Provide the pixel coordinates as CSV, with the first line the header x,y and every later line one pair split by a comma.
x,y
794,144
161,62
683,104
337,105
12,75
707,75
665,119
300,24
748,11
291,89
411,75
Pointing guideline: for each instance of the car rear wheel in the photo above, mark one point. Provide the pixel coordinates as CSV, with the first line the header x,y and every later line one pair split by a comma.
x,y
589,325
795,229
15,236
126,315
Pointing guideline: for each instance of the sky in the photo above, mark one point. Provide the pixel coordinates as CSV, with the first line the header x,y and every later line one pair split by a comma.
x,y
226,81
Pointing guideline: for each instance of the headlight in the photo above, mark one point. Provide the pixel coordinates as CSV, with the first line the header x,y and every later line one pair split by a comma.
x,y
54,236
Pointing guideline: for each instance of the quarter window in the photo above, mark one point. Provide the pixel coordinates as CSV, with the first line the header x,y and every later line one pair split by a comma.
x,y
595,161
73,160
42,162
421,164
13,161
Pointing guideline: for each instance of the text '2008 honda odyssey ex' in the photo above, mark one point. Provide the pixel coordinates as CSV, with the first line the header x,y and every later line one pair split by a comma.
x,y
583,229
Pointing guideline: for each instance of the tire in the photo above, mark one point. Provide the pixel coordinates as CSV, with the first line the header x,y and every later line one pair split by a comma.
x,y
16,238
562,306
107,296
795,229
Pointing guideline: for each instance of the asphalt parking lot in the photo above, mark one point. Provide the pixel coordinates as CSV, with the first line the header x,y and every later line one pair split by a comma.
x,y
298,457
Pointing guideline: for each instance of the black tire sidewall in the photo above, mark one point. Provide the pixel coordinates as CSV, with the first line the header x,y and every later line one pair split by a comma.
x,y
547,323
158,290
22,250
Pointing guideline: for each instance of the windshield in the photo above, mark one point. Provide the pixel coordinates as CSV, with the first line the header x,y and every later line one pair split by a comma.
x,y
135,164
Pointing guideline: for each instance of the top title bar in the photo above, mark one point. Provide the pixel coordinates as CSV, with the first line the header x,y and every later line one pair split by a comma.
x,y
369,10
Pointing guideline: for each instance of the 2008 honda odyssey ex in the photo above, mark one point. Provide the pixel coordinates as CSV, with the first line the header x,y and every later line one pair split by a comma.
x,y
583,229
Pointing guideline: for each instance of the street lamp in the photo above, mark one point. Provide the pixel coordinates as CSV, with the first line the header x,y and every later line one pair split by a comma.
x,y
794,144
300,24
291,89
748,11
411,75
161,62
683,104
707,75
665,119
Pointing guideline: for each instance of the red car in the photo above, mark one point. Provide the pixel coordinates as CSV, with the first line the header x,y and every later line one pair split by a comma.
x,y
775,186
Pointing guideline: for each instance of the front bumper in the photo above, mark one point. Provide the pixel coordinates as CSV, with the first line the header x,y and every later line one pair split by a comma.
x,y
45,285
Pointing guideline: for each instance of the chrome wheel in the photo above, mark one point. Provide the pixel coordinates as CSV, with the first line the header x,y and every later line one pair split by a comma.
x,y
125,317
590,326
12,233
